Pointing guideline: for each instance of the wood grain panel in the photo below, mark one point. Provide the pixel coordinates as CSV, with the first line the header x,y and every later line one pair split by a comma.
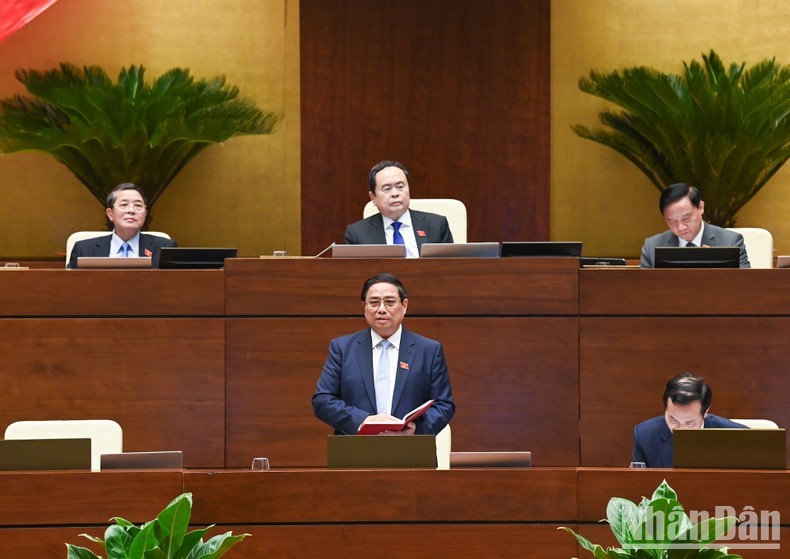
x,y
626,362
458,91
343,496
438,286
51,498
683,292
514,381
112,293
700,490
161,379
47,543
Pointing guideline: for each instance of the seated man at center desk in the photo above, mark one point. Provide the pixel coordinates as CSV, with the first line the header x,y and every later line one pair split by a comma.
x,y
126,208
396,224
384,371
687,400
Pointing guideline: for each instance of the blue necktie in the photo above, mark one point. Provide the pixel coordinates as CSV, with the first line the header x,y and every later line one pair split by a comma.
x,y
125,248
397,238
383,379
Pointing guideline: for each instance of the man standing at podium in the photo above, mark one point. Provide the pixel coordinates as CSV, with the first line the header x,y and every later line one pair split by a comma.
x,y
686,403
384,371
682,207
396,224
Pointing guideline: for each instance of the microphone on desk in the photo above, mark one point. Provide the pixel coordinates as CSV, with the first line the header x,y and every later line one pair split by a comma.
x,y
324,251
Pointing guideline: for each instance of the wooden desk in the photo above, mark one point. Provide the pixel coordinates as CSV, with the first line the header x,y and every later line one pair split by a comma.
x,y
331,514
42,511
639,328
734,492
144,348
391,513
509,328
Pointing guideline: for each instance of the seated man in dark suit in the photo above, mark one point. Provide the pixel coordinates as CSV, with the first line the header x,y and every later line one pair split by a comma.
x,y
395,223
126,209
384,371
686,403
682,207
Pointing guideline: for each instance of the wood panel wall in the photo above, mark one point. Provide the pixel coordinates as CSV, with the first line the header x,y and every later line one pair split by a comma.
x,y
456,90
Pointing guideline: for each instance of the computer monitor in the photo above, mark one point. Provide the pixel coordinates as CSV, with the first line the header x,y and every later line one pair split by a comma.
x,y
460,250
697,257
541,248
194,258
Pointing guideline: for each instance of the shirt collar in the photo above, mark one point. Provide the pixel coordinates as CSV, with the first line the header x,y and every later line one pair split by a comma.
x,y
116,243
405,219
696,240
394,339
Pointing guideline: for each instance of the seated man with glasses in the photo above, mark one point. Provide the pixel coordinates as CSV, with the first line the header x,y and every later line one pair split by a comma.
x,y
127,212
384,371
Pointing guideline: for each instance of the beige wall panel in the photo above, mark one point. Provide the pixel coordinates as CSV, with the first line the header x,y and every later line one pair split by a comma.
x,y
598,196
244,193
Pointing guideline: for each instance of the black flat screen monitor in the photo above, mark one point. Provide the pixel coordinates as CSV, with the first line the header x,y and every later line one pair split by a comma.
x,y
698,257
194,258
542,248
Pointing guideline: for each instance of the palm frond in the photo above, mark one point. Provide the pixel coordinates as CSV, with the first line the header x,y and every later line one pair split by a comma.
x,y
130,130
726,130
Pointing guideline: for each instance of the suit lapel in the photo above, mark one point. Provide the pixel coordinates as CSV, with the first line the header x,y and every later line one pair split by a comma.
x,y
405,357
665,448
418,223
146,243
709,236
376,230
364,351
102,246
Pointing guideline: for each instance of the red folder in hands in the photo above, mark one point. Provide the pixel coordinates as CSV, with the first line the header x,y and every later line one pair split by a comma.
x,y
372,427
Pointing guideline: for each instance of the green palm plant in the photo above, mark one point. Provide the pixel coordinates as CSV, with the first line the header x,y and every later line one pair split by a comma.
x,y
724,130
129,131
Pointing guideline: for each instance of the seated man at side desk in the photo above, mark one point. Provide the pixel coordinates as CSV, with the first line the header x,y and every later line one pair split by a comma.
x,y
126,209
384,370
682,207
396,224
687,400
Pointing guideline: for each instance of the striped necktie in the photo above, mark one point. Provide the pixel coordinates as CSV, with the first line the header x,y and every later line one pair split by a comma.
x,y
383,402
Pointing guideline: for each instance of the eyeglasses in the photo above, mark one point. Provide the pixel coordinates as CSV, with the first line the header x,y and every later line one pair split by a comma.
x,y
125,207
374,304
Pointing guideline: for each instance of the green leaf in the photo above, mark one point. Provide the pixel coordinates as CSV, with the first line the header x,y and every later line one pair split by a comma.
x,y
128,131
172,523
725,130
623,517
216,546
75,552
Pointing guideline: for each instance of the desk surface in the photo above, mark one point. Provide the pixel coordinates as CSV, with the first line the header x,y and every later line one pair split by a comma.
x,y
463,513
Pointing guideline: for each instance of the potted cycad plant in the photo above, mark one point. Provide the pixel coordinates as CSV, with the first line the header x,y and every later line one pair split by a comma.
x,y
724,130
131,130
164,536
658,528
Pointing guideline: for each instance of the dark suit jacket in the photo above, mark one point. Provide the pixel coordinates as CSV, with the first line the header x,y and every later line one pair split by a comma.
x,y
712,236
653,439
100,246
346,395
370,231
